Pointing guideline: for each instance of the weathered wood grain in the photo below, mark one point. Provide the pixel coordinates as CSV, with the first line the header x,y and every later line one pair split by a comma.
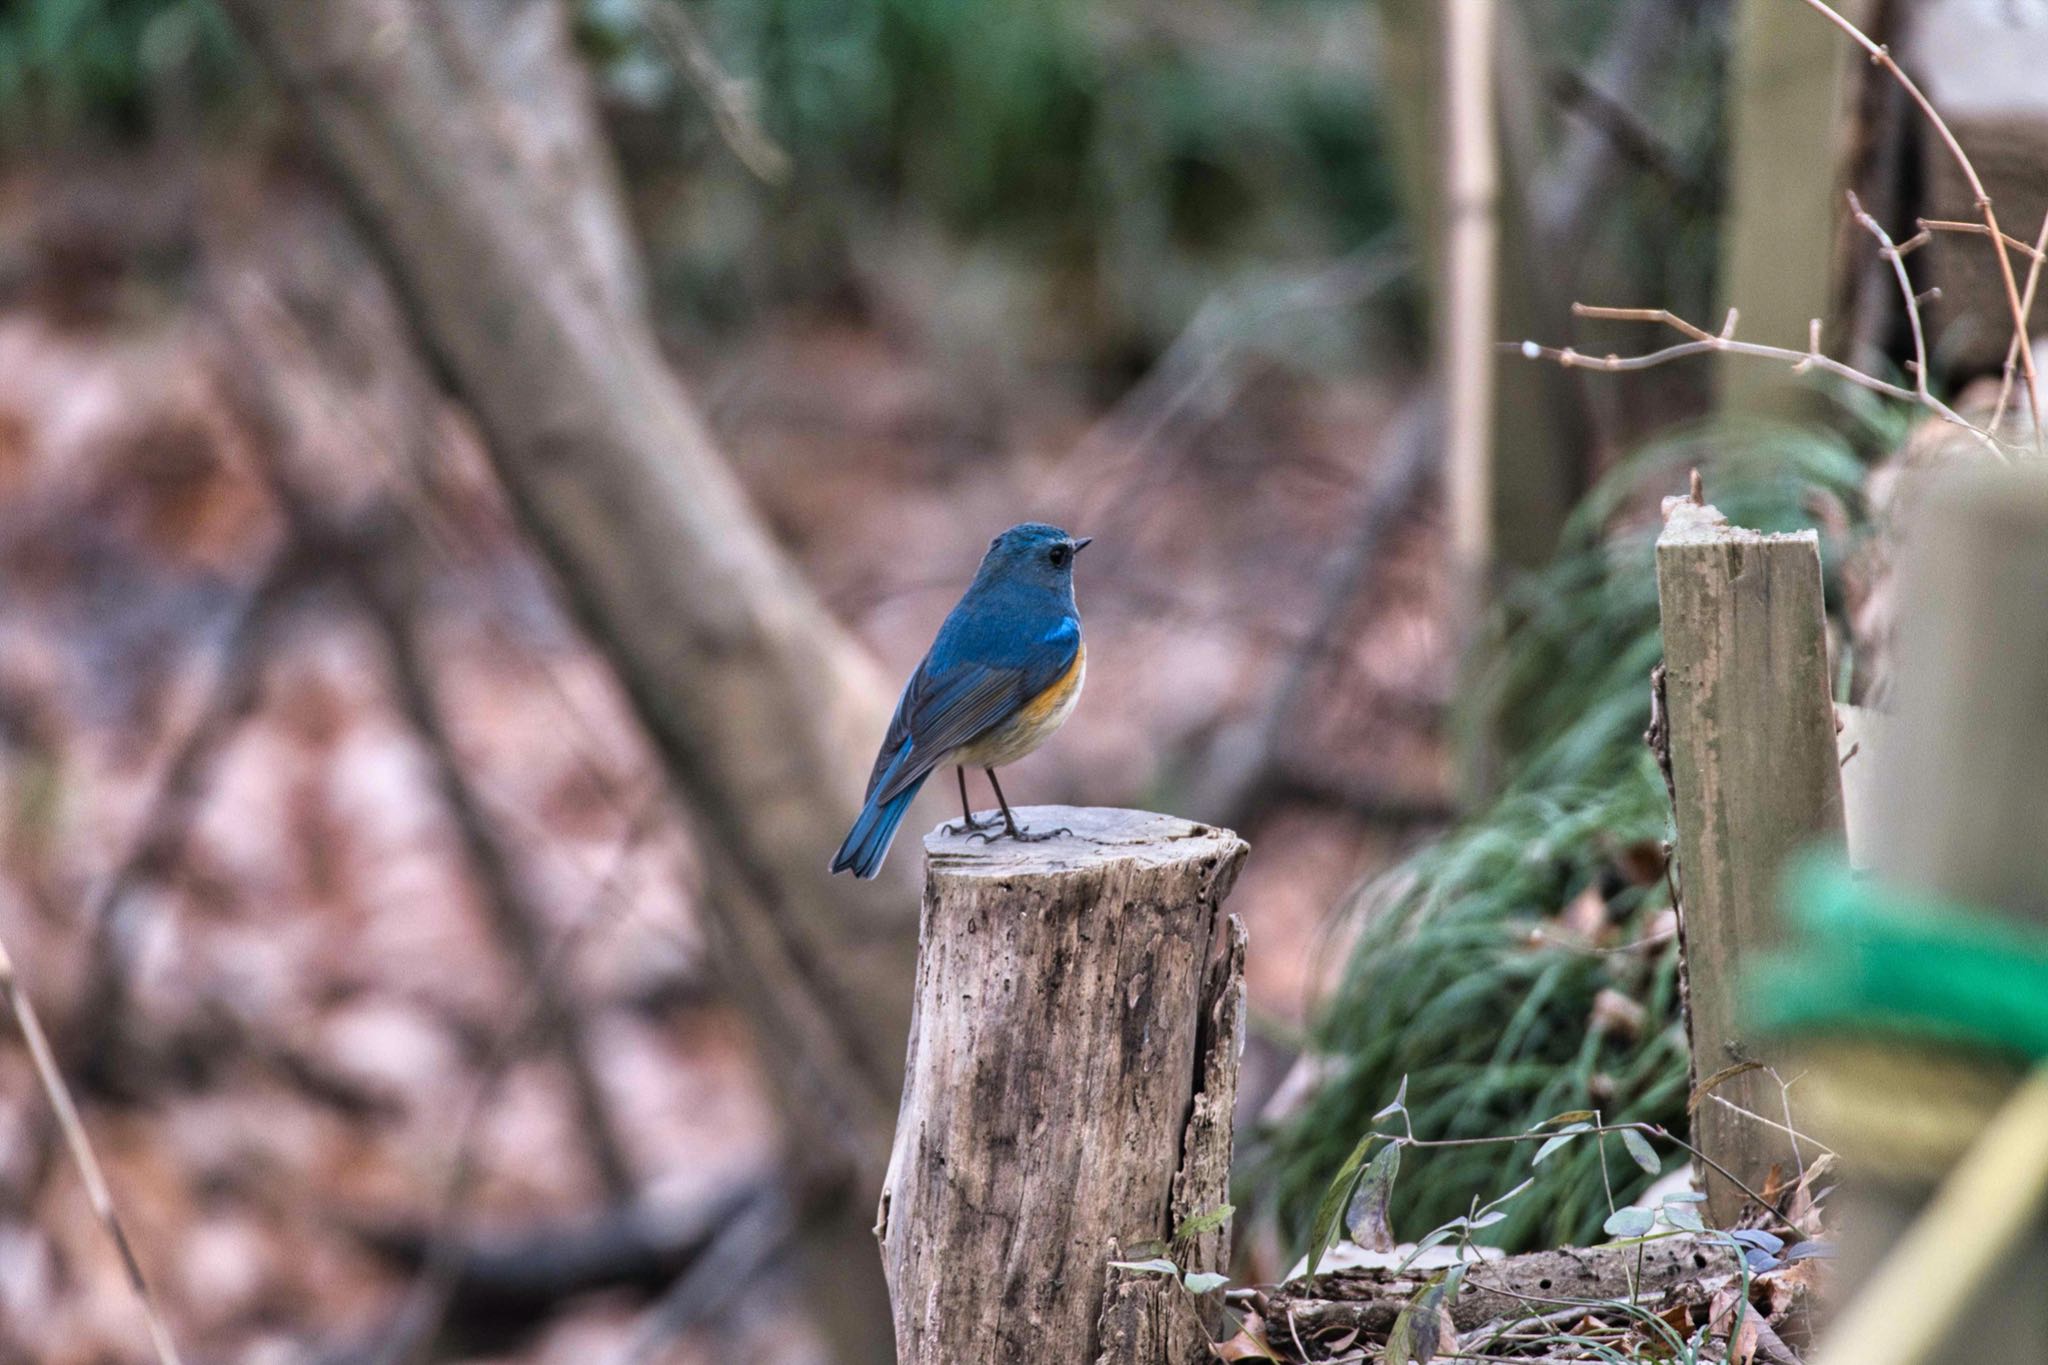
x,y
1072,1063
1755,778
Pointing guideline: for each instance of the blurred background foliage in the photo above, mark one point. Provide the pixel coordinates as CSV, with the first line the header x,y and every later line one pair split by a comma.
x,y
1067,183
98,67
1062,187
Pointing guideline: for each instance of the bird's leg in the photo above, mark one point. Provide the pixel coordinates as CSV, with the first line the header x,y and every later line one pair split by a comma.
x,y
1010,825
968,824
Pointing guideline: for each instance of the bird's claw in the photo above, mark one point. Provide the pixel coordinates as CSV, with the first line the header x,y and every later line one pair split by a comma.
x,y
991,832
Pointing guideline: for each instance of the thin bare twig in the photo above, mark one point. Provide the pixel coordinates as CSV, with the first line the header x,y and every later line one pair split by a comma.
x,y
1789,1131
685,48
1928,226
514,917
380,569
1889,252
160,834
434,1286
1702,342
89,1172
2020,340
1881,55
1652,1130
1258,773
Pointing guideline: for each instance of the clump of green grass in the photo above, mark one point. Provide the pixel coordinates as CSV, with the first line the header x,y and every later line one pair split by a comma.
x,y
1455,985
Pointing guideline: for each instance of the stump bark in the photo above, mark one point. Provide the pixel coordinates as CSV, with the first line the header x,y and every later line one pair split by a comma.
x,y
1072,1066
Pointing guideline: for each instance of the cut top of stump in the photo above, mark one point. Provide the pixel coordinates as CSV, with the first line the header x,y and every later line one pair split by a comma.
x,y
1095,836
1701,523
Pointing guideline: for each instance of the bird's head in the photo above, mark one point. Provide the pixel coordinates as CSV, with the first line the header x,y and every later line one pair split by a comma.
x,y
1033,553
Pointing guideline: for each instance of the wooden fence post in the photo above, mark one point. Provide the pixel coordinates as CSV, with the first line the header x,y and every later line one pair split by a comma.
x,y
1073,1062
1965,772
1792,80
1754,777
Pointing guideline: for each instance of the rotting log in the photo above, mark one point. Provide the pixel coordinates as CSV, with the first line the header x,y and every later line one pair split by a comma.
x,y
1755,778
1369,1300
1072,1068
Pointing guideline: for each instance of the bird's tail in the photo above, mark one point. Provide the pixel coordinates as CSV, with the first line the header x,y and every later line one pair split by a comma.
x,y
867,843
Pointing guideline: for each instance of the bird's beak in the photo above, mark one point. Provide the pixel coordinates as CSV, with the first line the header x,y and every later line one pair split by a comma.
x,y
1083,543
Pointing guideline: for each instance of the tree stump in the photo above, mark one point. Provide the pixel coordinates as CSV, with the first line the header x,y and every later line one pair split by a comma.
x,y
1073,1062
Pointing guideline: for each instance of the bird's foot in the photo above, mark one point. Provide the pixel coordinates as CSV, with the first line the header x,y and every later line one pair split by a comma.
x,y
1025,836
967,824
991,832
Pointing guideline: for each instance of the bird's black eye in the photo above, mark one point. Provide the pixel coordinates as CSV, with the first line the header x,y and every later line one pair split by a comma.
x,y
1058,556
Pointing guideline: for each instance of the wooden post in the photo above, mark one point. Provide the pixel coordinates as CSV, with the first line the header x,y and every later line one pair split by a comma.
x,y
1533,476
1788,111
1754,778
1073,1062
1466,334
1966,819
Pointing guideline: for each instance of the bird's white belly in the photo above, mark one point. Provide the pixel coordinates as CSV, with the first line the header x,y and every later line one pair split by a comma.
x,y
1033,724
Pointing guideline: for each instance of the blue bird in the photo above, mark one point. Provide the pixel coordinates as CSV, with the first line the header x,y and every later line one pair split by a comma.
x,y
1002,675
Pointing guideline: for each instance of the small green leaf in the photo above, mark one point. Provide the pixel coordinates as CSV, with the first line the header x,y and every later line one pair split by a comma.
x,y
1158,1265
1400,1104
1323,1229
1556,1142
1429,1240
1639,1147
1493,1204
1684,1217
1401,1339
1579,1116
1629,1222
1202,1281
1365,1218
1686,1197
1418,1330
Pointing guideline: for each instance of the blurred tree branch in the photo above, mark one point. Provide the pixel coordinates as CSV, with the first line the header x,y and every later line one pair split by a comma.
x,y
97,1032
763,708
1253,766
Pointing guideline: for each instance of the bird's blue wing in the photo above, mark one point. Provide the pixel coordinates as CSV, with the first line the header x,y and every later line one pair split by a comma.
x,y
960,691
